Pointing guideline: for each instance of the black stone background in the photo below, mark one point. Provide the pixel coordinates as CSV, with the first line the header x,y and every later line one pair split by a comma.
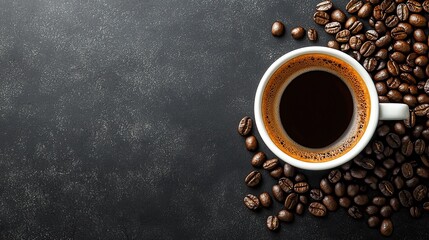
x,y
118,120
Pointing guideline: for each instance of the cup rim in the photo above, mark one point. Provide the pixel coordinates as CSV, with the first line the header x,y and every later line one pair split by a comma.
x,y
373,117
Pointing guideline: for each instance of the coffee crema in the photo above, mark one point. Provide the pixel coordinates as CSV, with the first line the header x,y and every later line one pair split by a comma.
x,y
273,94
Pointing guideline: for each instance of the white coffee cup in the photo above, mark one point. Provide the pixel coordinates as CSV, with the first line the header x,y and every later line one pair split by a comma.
x,y
378,111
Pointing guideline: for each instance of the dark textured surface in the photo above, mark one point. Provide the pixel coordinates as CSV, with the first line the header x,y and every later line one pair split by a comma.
x,y
118,120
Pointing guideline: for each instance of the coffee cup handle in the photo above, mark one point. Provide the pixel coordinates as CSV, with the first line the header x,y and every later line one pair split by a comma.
x,y
394,111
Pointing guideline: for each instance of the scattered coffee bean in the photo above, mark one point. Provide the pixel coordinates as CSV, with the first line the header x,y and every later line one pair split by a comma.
x,y
270,164
344,202
325,186
343,36
333,44
330,203
298,32
251,202
422,172
265,199
338,16
365,11
405,198
285,216
253,179
361,199
386,211
289,170
415,212
272,223
353,6
299,209
312,34
417,20
402,12
277,172
386,188
278,29
303,199
333,27
286,184
371,210
299,177
407,170
420,192
278,193
251,143
354,212
301,187
317,209
373,221
395,204
386,227
291,201
324,6
321,18
316,194
258,159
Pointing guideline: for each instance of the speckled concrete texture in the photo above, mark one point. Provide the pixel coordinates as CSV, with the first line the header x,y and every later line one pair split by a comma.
x,y
118,120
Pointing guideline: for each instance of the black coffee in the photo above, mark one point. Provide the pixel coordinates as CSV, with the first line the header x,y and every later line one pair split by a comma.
x,y
316,109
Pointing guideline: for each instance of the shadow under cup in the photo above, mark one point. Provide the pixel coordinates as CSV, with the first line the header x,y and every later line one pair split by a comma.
x,y
273,93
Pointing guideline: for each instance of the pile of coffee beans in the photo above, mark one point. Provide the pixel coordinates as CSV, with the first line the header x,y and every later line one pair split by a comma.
x,y
388,37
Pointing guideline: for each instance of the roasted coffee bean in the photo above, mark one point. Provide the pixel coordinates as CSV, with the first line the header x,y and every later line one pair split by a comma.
x,y
251,143
371,21
415,212
303,199
330,203
421,85
272,223
278,193
333,44
317,209
378,13
399,182
353,6
398,33
365,11
325,186
419,72
355,27
419,35
379,201
312,34
289,170
316,194
401,46
386,188
421,61
411,121
426,206
371,35
421,110
411,58
424,159
285,216
297,32
426,87
367,48
410,100
386,227
403,88
334,176
397,57
408,28
277,172
420,48
251,202
388,6
333,27
377,147
381,75
381,87
394,96
393,140
270,164
301,187
388,151
391,21
299,209
340,189
347,176
258,159
338,16
417,20
420,192
299,177
413,89
408,78
344,47
380,172
371,181
380,27
402,12
373,221
286,184
370,64
386,211
352,190
371,210
356,55
354,212
343,36
395,204
253,179
278,29
324,6
344,202
417,131
383,41
394,83
265,199
422,172
355,43
361,199
419,146
412,182
366,163
321,18
381,54
406,198
414,6
245,126
389,163
358,173
407,146
291,201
